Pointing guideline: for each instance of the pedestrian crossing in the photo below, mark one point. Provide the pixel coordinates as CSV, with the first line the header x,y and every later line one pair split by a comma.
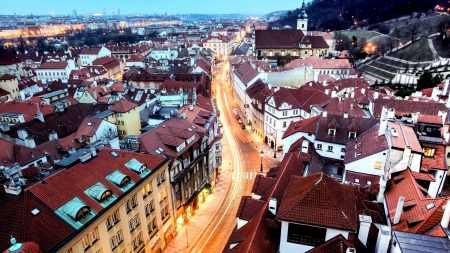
x,y
245,175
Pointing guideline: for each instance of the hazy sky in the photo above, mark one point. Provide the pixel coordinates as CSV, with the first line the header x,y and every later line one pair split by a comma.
x,y
64,7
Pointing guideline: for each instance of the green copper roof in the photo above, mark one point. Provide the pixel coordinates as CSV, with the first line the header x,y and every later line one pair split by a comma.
x,y
69,211
303,14
116,177
96,191
138,167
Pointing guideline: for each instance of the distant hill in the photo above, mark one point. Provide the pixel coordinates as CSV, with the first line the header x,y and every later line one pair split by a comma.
x,y
342,14
275,15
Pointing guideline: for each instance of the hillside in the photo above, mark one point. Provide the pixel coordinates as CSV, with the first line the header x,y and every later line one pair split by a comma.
x,y
342,14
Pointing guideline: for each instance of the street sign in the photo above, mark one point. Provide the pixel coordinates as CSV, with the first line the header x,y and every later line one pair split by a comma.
x,y
246,106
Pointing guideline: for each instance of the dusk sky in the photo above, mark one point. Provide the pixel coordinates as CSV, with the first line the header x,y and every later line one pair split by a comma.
x,y
148,6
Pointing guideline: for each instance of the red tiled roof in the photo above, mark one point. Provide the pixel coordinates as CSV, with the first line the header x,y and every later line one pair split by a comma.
x,y
6,152
342,133
319,200
123,105
249,207
431,119
267,39
337,244
368,143
437,161
163,136
417,218
59,187
7,58
246,73
7,77
262,185
88,127
308,125
405,137
107,61
53,65
90,50
406,107
298,98
28,108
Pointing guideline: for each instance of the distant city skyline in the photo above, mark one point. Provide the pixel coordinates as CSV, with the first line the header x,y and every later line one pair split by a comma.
x,y
43,7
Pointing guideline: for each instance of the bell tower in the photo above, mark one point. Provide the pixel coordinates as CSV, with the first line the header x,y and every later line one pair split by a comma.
x,y
302,21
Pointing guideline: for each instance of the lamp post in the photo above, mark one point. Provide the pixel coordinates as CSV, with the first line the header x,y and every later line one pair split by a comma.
x,y
262,154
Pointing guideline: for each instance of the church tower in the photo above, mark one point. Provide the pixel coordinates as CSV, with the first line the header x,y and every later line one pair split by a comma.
x,y
302,21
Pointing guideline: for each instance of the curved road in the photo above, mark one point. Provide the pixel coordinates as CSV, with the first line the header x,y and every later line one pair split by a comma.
x,y
244,160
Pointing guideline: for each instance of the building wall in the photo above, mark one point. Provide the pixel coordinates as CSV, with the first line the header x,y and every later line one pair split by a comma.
x,y
11,86
337,152
105,234
287,247
290,78
287,142
334,232
366,165
131,123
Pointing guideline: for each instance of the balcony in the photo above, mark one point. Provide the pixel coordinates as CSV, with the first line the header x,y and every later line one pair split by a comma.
x,y
431,139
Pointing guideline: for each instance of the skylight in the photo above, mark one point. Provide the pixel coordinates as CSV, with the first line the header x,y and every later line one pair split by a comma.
x,y
114,154
35,211
431,205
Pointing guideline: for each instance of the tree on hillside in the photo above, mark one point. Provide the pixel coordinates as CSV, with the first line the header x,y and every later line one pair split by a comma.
x,y
427,80
414,29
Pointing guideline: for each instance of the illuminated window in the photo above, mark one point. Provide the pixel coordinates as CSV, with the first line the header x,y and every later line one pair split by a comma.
x,y
378,165
429,152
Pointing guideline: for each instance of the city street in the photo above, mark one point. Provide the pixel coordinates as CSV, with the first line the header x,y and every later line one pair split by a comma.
x,y
241,162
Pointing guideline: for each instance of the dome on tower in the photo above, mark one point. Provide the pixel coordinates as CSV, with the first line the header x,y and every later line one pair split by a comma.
x,y
26,247
303,14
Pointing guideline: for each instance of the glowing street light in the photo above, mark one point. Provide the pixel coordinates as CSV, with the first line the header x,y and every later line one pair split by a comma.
x,y
262,154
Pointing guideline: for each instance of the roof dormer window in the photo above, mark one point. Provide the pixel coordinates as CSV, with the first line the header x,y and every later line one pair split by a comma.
x,y
351,135
332,131
99,193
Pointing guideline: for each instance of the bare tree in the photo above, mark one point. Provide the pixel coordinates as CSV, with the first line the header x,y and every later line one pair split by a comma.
x,y
414,30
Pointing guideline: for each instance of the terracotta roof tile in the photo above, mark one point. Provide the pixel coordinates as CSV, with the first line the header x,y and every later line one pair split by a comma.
x,y
319,200
337,244
319,63
249,207
437,161
123,105
246,73
265,39
262,185
418,218
405,136
431,119
308,125
406,107
342,134
27,108
368,143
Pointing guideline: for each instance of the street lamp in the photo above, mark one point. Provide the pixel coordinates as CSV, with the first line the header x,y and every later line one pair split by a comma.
x,y
262,154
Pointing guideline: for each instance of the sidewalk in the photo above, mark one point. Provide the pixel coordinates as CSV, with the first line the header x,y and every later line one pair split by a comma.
x,y
197,224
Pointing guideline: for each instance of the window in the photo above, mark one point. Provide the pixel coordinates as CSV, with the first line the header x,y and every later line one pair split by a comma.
x,y
429,152
86,243
136,220
152,225
119,236
295,112
108,223
285,113
146,190
351,135
163,194
284,124
130,225
115,216
342,149
378,165
131,203
306,235
330,148
332,131
85,211
319,146
113,243
93,235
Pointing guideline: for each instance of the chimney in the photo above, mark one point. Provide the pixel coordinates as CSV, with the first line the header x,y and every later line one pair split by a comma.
x,y
114,143
273,205
399,210
375,95
345,115
384,237
93,152
324,114
446,217
95,94
327,91
363,91
53,135
22,134
444,91
29,142
391,113
340,99
364,227
351,106
352,95
333,94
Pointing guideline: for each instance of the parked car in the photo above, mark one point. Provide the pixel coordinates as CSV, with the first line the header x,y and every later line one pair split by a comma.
x,y
242,126
235,111
240,121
